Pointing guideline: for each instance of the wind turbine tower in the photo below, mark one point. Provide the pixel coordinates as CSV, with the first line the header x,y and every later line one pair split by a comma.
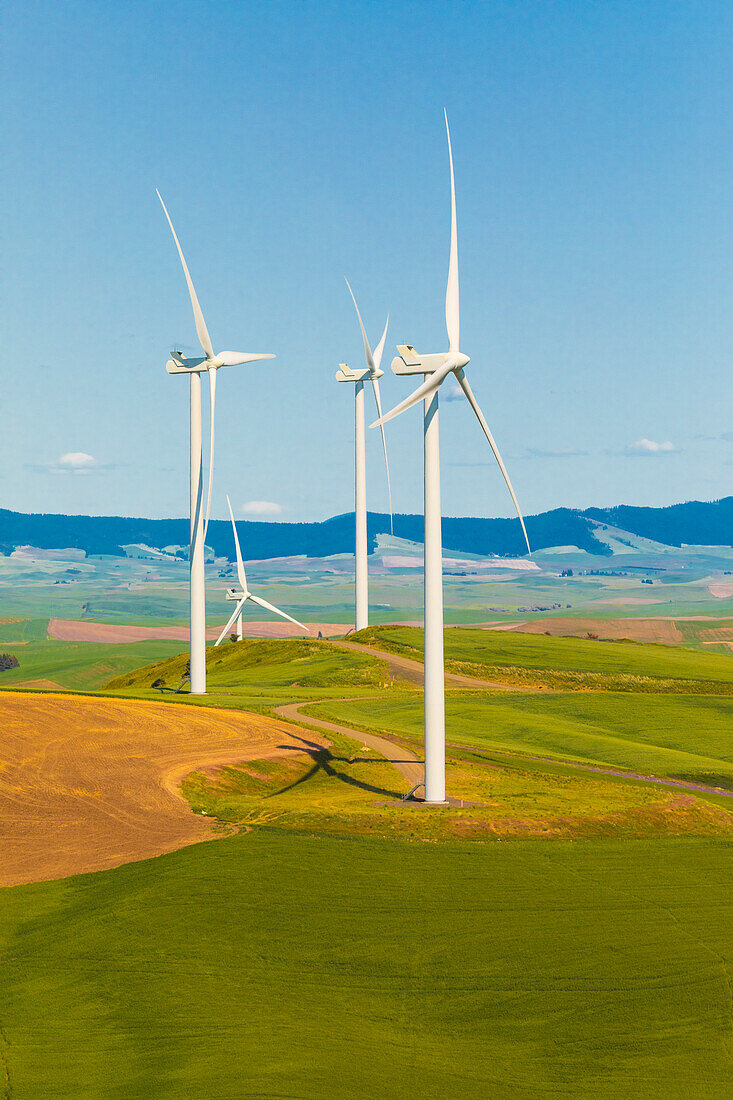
x,y
370,373
242,594
209,363
436,369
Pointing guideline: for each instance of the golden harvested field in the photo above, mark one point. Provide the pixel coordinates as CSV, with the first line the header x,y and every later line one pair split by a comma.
x,y
89,783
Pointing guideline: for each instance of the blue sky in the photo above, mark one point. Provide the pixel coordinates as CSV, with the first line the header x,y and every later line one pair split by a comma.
x,y
296,143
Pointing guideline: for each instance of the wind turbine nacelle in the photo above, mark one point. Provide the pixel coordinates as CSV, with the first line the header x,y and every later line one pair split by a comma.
x,y
232,594
410,361
178,364
346,374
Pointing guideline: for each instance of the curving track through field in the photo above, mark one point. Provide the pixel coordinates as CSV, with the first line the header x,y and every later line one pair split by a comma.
x,y
412,671
89,783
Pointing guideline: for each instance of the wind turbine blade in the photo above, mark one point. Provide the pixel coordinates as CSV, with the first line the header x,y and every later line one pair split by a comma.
x,y
377,356
482,421
367,349
452,311
240,564
430,384
212,409
234,358
277,611
203,333
378,400
231,622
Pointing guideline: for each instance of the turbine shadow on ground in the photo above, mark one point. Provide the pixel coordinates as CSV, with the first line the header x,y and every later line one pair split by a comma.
x,y
323,762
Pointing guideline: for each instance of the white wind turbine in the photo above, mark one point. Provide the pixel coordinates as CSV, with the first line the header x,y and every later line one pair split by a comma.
x,y
209,363
437,367
370,373
243,594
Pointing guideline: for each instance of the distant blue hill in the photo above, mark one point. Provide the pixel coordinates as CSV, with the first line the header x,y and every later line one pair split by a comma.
x,y
695,522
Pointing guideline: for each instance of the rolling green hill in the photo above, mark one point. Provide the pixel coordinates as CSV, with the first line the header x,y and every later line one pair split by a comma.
x,y
272,964
682,737
291,663
564,662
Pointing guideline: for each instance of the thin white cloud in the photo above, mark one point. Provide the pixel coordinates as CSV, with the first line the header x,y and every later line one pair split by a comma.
x,y
650,447
452,392
77,460
261,508
75,463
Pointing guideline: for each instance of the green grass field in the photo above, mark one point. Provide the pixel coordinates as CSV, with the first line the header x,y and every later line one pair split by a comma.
x,y
260,674
287,663
272,964
683,737
490,653
22,630
349,790
80,666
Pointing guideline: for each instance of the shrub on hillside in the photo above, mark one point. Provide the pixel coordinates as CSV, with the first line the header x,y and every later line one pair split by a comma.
x,y
8,660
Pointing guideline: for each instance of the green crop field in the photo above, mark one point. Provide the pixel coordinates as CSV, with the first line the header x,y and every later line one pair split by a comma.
x,y
513,797
348,789
22,630
81,666
273,964
685,737
492,652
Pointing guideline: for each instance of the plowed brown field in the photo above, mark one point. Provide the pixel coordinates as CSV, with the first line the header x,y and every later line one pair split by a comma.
x,y
638,630
89,783
722,591
79,630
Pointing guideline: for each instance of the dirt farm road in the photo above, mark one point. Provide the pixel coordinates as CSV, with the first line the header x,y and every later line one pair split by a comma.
x,y
406,763
407,669
411,766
